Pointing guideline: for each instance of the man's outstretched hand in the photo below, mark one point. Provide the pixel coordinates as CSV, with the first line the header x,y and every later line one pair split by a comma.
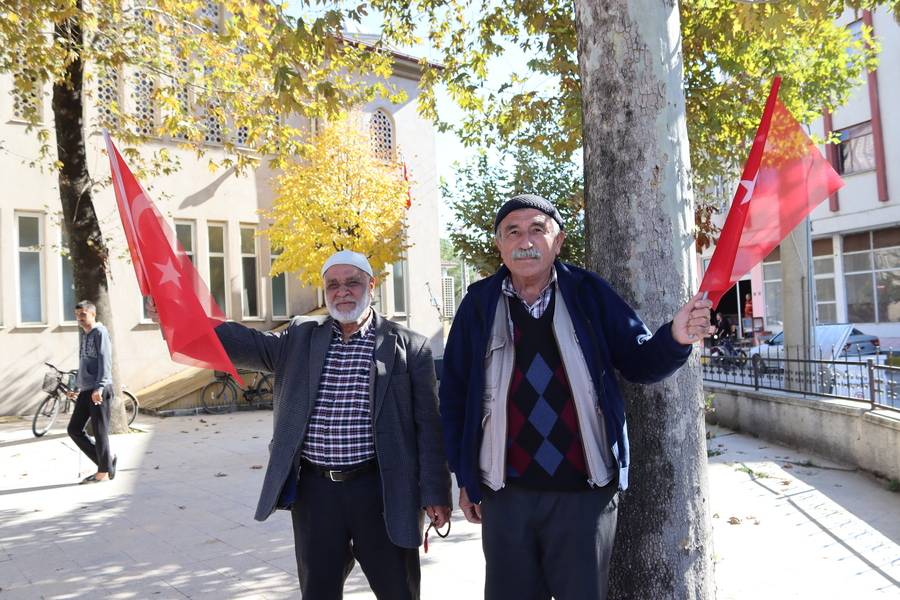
x,y
691,322
150,305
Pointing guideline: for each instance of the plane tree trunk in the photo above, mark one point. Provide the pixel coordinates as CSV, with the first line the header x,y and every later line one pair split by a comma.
x,y
638,219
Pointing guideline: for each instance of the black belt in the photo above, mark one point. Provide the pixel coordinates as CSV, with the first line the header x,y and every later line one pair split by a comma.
x,y
342,474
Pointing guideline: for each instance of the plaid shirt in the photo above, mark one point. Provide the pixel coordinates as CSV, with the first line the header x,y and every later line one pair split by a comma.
x,y
537,309
340,427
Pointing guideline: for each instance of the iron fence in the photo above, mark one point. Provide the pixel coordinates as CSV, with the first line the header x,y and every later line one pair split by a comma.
x,y
870,379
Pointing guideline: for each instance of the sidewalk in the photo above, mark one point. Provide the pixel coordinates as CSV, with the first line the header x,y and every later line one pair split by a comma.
x,y
178,521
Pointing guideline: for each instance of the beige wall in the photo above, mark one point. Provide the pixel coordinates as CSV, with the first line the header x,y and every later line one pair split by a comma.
x,y
194,195
842,431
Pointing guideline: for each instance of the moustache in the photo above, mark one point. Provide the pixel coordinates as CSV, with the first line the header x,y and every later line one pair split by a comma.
x,y
526,253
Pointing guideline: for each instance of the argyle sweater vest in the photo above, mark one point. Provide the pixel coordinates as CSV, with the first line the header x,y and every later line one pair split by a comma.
x,y
544,449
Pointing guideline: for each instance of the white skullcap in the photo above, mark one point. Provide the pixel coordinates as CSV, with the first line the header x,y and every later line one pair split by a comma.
x,y
347,257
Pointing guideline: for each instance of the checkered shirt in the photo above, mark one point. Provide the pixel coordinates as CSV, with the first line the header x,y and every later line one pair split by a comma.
x,y
340,427
537,309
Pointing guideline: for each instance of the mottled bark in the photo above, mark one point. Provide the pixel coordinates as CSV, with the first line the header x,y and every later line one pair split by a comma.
x,y
638,216
87,248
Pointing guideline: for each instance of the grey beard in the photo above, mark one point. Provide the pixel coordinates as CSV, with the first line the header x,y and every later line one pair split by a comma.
x,y
349,316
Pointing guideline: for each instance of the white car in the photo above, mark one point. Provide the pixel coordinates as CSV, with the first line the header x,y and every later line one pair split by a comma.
x,y
833,340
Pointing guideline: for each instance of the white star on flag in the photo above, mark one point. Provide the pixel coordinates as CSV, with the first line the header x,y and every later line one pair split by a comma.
x,y
749,185
169,273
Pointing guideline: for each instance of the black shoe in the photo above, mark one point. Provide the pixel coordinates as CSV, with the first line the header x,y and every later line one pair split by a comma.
x,y
90,479
112,471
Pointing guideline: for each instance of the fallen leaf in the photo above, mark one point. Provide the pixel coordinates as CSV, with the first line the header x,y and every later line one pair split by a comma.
x,y
221,474
788,466
24,474
785,482
15,455
156,467
734,521
181,507
184,432
218,432
202,421
256,467
716,516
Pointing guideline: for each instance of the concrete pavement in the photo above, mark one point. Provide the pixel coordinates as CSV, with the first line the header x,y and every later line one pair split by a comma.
x,y
178,521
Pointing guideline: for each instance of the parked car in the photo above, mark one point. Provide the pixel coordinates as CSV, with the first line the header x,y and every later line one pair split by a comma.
x,y
833,340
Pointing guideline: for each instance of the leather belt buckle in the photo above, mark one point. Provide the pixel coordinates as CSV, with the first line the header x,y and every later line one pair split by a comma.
x,y
338,475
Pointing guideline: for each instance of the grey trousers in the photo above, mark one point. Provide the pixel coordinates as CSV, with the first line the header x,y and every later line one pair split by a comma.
x,y
542,544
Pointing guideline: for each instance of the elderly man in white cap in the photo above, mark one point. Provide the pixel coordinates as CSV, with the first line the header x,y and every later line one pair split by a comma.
x,y
357,453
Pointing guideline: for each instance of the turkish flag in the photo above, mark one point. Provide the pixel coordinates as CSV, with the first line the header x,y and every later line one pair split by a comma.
x,y
187,311
784,179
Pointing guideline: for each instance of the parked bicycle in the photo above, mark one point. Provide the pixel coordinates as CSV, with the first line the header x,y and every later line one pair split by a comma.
x,y
726,356
221,395
58,384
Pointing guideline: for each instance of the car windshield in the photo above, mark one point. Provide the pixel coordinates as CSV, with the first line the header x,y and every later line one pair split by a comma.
x,y
777,340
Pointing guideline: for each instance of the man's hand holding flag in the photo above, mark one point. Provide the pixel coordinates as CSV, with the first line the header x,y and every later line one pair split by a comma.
x,y
187,311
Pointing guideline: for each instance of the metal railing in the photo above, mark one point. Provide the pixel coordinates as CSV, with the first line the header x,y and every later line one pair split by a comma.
x,y
869,379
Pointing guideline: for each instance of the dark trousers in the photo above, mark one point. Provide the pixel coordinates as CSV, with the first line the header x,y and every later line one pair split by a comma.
x,y
542,544
96,449
336,523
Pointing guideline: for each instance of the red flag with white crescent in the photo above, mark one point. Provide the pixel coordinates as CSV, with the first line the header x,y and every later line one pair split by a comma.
x,y
187,311
785,178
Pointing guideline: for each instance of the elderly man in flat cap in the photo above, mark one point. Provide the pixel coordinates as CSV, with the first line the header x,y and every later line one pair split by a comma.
x,y
532,413
357,453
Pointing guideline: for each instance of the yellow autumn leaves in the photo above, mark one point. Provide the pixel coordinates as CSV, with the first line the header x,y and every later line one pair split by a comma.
x,y
342,195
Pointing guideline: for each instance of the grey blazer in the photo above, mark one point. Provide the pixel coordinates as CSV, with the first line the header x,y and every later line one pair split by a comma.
x,y
409,444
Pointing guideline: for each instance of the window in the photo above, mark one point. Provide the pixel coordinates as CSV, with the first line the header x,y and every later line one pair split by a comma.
x,y
249,276
872,276
382,134
30,276
210,15
217,279
142,98
772,287
823,269
67,280
279,290
184,231
856,152
26,95
108,84
212,124
398,274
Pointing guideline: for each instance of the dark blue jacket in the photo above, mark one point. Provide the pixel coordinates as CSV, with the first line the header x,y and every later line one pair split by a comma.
x,y
610,335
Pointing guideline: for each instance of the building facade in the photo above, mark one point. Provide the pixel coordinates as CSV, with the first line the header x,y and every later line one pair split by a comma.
x,y
216,218
855,234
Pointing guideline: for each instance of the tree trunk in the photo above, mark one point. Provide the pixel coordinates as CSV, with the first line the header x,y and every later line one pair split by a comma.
x,y
86,245
638,216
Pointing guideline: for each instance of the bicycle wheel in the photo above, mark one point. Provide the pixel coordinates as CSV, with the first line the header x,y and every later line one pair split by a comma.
x,y
131,406
264,390
46,415
717,357
218,397
740,359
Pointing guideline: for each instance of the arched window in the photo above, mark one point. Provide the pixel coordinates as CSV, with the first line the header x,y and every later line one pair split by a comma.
x,y
382,134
